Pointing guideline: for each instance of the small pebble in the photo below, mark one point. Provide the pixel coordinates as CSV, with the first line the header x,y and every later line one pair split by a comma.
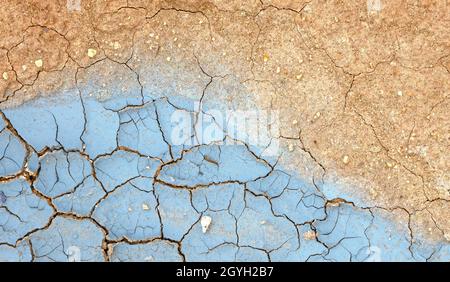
x,y
205,221
309,235
5,76
345,159
145,207
291,147
91,53
39,63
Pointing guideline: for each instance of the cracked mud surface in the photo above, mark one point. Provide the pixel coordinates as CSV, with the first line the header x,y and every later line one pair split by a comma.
x,y
89,170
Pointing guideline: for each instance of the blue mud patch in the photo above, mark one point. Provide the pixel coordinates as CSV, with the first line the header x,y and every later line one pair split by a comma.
x,y
110,183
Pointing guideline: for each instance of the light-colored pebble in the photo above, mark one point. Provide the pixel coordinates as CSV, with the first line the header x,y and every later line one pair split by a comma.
x,y
205,221
91,52
309,235
39,63
345,159
291,147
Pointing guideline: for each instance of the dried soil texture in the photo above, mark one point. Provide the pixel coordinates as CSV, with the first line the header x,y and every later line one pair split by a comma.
x,y
360,91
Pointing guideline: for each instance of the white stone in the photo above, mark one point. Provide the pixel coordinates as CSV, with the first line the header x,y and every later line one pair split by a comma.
x,y
291,147
345,159
91,53
38,63
205,221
